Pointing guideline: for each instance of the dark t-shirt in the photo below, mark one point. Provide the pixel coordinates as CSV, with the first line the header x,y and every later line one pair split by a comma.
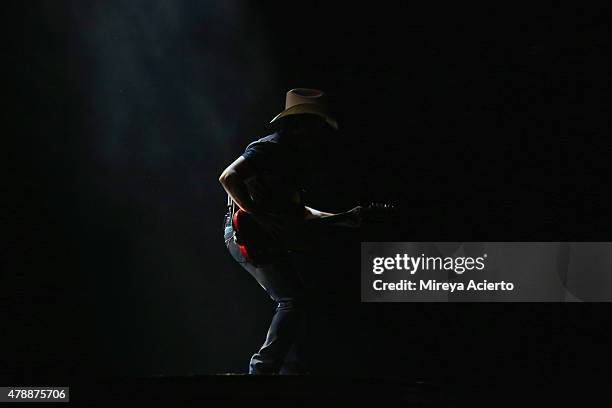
x,y
279,174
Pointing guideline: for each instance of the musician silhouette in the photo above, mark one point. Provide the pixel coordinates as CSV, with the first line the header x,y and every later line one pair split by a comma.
x,y
264,185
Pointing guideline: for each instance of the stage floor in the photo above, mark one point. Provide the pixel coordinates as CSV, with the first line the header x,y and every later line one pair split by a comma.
x,y
242,390
229,390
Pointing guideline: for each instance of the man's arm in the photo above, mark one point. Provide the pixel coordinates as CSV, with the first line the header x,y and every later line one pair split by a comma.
x,y
311,213
350,218
232,179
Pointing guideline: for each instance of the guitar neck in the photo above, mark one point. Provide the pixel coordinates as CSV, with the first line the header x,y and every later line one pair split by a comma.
x,y
330,220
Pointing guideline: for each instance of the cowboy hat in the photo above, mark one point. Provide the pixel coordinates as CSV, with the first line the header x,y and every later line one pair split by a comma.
x,y
306,101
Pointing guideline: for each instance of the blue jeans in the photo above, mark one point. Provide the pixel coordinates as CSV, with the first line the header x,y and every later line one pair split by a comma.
x,y
281,351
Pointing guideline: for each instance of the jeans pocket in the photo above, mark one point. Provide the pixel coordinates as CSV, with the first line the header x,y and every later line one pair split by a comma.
x,y
234,250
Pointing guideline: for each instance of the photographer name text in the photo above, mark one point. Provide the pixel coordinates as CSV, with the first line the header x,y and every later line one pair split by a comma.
x,y
412,265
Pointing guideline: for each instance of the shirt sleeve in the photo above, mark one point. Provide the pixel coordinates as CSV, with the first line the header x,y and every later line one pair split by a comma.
x,y
260,155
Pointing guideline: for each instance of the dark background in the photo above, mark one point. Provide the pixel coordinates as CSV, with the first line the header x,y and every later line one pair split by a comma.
x,y
483,124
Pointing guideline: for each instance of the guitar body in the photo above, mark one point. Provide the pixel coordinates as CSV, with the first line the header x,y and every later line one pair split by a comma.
x,y
254,242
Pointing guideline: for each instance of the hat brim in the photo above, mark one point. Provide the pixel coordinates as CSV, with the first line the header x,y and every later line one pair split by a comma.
x,y
307,108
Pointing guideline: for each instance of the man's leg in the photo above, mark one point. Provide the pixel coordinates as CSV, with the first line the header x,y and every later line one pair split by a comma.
x,y
283,285
296,360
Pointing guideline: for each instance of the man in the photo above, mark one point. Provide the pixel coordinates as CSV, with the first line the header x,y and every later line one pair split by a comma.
x,y
266,182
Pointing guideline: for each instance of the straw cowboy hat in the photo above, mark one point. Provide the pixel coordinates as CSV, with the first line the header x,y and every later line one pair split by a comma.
x,y
306,101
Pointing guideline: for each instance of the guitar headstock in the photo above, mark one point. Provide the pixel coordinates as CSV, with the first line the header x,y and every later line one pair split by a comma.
x,y
378,211
376,206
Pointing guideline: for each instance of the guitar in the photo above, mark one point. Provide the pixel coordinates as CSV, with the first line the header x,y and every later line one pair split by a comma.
x,y
260,247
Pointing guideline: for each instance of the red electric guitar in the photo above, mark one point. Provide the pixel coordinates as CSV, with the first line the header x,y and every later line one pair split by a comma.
x,y
259,247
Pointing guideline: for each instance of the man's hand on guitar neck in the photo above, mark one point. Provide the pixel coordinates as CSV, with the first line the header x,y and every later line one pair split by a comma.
x,y
312,214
